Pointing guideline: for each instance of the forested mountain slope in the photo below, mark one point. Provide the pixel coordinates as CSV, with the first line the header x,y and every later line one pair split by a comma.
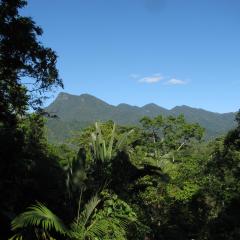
x,y
75,112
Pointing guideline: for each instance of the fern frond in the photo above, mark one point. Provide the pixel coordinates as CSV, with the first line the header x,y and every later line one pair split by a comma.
x,y
114,227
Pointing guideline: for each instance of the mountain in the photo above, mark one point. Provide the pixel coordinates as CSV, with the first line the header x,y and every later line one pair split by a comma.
x,y
75,112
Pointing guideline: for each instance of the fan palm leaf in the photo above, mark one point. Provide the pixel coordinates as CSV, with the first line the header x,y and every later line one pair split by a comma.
x,y
88,227
40,216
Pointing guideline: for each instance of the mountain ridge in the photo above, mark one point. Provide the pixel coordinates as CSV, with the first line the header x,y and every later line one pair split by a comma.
x,y
121,103
77,111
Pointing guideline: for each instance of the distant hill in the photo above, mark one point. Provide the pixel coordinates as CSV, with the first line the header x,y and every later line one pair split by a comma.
x,y
75,112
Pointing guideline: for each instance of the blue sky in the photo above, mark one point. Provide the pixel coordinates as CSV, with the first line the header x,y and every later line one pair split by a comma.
x,y
169,52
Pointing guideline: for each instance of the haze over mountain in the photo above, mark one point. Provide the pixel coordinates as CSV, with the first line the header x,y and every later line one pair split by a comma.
x,y
75,112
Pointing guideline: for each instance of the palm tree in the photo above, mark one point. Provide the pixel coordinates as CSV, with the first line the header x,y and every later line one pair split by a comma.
x,y
86,227
41,219
103,151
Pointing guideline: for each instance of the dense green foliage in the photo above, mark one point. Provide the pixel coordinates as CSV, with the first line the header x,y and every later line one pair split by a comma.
x,y
163,182
156,180
77,112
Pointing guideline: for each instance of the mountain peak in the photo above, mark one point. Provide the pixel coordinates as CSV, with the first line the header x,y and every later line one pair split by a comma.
x,y
123,105
151,105
63,96
86,95
182,107
154,108
86,108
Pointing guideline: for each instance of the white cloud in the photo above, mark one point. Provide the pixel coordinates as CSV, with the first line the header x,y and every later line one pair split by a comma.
x,y
175,81
151,79
157,77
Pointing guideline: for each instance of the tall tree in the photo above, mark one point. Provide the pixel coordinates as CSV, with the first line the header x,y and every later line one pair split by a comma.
x,y
27,68
27,71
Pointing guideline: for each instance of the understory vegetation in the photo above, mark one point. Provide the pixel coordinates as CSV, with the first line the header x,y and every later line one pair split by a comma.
x,y
159,180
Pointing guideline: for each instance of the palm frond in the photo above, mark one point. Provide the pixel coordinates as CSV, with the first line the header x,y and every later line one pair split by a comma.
x,y
123,140
110,146
17,236
82,229
39,216
76,231
88,210
98,228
